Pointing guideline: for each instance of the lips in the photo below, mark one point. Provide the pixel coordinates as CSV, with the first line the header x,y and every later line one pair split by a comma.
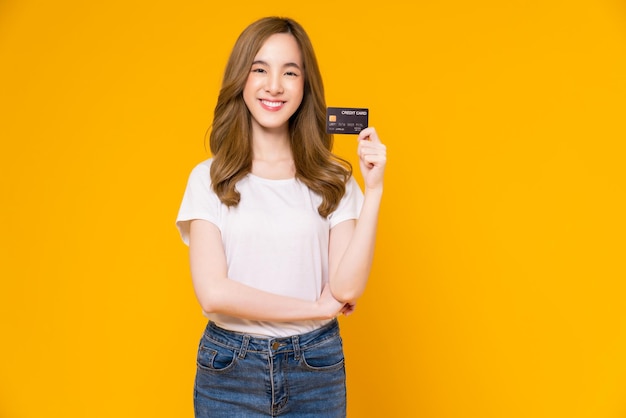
x,y
272,105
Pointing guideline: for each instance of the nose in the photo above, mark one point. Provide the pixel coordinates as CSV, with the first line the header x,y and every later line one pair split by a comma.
x,y
274,84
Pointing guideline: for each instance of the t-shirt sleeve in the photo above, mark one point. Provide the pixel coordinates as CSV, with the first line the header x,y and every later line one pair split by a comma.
x,y
199,201
349,206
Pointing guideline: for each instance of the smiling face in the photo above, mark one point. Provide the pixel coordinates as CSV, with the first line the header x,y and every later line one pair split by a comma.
x,y
275,85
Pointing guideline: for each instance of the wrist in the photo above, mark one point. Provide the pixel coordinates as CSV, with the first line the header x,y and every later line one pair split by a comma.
x,y
374,191
323,310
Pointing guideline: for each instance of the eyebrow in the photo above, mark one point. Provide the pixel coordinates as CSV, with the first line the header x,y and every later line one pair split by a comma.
x,y
289,64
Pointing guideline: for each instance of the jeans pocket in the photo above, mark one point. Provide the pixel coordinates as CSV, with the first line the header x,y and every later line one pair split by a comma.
x,y
325,356
214,357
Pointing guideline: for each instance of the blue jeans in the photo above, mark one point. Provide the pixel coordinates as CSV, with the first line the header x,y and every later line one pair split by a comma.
x,y
239,375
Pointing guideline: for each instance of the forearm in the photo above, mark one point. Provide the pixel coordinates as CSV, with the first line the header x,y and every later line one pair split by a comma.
x,y
349,278
217,293
229,297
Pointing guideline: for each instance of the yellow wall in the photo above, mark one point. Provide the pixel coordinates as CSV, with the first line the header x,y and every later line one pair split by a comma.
x,y
498,286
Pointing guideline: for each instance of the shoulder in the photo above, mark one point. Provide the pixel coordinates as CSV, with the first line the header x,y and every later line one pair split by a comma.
x,y
201,172
203,167
199,180
352,186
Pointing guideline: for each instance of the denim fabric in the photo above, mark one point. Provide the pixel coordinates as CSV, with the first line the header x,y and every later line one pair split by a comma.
x,y
239,375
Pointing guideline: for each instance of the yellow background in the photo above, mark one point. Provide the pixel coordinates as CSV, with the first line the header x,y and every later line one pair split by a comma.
x,y
498,285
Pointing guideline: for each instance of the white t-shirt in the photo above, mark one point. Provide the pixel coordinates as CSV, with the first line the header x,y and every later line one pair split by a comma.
x,y
274,240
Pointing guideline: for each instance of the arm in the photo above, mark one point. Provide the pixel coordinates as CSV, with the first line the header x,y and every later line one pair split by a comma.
x,y
217,293
352,242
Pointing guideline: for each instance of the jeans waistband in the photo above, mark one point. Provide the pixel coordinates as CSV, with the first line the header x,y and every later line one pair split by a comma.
x,y
271,346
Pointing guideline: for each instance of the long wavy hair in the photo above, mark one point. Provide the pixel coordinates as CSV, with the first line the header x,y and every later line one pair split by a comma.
x,y
230,139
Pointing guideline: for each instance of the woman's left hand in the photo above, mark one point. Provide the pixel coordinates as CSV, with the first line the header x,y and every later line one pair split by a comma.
x,y
348,308
372,158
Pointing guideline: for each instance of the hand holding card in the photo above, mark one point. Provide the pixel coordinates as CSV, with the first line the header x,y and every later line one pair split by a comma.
x,y
372,153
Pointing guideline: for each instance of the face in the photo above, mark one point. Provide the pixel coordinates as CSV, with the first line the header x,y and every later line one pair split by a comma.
x,y
275,85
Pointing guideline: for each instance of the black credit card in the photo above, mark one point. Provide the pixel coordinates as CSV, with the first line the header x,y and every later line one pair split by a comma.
x,y
346,120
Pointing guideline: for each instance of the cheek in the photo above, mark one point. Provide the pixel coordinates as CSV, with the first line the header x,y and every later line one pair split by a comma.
x,y
298,89
247,88
249,92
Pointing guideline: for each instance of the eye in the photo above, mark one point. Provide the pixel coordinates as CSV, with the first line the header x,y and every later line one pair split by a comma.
x,y
257,70
291,74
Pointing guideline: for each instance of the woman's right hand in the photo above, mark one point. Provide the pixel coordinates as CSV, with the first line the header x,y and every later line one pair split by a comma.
x,y
330,307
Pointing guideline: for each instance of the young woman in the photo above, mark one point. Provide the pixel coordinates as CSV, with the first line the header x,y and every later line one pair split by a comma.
x,y
276,250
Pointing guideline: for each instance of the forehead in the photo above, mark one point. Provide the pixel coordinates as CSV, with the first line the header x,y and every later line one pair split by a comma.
x,y
280,48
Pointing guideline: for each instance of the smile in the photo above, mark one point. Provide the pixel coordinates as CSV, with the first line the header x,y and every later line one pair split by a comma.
x,y
271,105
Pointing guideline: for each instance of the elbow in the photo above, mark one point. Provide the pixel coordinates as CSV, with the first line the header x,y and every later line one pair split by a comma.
x,y
346,294
207,308
209,303
209,294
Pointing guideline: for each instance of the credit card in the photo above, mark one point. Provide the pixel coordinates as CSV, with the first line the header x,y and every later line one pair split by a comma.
x,y
346,120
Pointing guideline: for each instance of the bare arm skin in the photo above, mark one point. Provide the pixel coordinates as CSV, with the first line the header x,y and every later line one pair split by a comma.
x,y
351,251
217,293
352,242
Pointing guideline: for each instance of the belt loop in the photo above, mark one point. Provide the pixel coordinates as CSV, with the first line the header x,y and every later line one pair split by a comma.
x,y
244,346
295,340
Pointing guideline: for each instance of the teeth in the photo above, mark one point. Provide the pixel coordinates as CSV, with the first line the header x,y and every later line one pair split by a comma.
x,y
271,104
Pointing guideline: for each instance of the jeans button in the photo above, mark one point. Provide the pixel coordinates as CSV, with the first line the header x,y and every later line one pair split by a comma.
x,y
275,345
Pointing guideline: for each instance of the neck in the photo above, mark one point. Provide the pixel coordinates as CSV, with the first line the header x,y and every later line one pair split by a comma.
x,y
271,155
271,145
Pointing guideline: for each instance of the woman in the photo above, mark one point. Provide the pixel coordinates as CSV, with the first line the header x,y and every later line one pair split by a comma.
x,y
276,251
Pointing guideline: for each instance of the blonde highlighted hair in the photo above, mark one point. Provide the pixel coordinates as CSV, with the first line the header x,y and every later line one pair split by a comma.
x,y
230,139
